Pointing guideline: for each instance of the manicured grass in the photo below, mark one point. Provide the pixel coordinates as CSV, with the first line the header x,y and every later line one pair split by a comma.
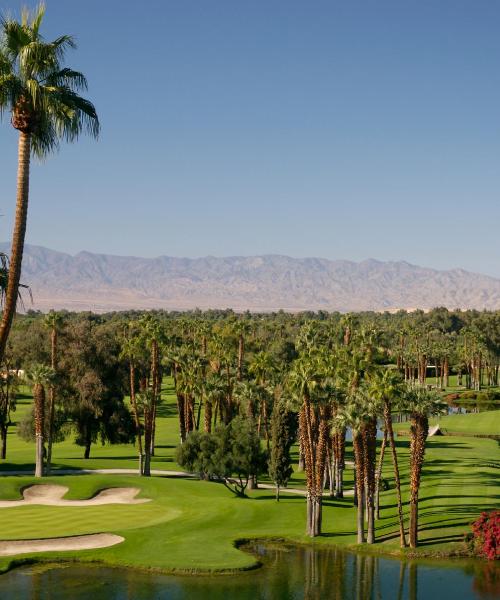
x,y
453,385
485,423
67,455
32,521
192,525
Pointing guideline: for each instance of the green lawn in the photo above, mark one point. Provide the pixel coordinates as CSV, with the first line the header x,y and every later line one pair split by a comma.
x,y
66,455
192,525
485,423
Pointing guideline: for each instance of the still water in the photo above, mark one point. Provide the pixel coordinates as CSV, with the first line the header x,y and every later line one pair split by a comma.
x,y
289,573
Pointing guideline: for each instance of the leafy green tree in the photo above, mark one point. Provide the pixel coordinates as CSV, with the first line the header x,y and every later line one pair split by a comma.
x,y
232,454
94,381
238,456
42,98
197,452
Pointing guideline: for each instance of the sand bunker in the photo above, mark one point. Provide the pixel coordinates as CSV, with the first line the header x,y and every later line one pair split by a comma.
x,y
52,495
77,542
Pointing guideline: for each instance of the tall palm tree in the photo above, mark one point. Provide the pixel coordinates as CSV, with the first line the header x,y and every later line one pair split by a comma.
x,y
152,334
263,367
385,386
350,415
146,402
314,418
42,98
420,403
39,375
53,321
132,351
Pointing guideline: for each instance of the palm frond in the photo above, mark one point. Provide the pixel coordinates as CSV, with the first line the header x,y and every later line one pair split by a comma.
x,y
34,82
74,80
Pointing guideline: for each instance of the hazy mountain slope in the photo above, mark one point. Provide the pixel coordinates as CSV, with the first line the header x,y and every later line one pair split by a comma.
x,y
103,282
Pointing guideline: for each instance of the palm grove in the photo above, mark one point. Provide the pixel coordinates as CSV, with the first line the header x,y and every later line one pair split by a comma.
x,y
251,390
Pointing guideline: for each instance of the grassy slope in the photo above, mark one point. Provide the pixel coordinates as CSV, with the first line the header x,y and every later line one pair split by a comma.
x,y
192,525
486,423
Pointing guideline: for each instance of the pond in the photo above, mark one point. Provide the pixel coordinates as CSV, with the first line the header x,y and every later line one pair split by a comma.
x,y
289,573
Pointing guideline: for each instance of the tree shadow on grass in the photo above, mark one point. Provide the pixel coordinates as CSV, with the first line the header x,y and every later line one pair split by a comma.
x,y
458,537
166,410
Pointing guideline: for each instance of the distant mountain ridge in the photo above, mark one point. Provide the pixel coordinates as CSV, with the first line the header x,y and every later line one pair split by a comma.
x,y
101,282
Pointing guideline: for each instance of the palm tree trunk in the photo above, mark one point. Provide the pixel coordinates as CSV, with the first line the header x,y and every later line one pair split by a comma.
x,y
39,402
378,476
307,443
390,432
207,423
133,401
156,386
3,433
340,449
301,457
181,408
18,235
52,400
419,430
241,350
359,482
148,425
370,455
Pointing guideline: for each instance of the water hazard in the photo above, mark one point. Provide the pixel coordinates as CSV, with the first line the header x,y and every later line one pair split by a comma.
x,y
289,573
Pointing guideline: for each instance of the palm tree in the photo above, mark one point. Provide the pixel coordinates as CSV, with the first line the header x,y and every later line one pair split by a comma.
x,y
146,402
152,334
53,321
39,375
41,96
386,387
215,392
351,416
262,368
420,403
313,432
132,351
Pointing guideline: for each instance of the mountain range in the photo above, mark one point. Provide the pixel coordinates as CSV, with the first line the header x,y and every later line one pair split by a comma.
x,y
102,282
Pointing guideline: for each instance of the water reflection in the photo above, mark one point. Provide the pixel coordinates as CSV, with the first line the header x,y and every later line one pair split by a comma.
x,y
289,573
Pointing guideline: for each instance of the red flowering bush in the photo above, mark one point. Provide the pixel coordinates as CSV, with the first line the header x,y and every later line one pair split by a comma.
x,y
486,535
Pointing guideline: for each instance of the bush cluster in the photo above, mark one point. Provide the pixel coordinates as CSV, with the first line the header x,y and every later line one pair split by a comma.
x,y
486,535
231,455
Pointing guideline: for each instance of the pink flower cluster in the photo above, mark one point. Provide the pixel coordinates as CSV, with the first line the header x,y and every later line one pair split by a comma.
x,y
486,531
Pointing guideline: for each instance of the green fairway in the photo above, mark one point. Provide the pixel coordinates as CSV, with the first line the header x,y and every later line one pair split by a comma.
x,y
485,423
187,517
67,455
192,526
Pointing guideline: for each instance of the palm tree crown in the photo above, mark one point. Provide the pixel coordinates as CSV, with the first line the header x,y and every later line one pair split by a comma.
x,y
38,91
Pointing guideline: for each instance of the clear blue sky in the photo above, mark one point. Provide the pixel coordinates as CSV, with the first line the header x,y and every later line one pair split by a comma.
x,y
340,129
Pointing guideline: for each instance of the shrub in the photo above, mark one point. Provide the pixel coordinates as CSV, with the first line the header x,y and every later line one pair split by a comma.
x,y
231,455
486,535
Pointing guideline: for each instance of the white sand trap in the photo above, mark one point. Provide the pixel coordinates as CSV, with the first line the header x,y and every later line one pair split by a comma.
x,y
52,495
77,542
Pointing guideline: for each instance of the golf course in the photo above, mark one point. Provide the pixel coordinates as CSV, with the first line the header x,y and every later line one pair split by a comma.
x,y
185,516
